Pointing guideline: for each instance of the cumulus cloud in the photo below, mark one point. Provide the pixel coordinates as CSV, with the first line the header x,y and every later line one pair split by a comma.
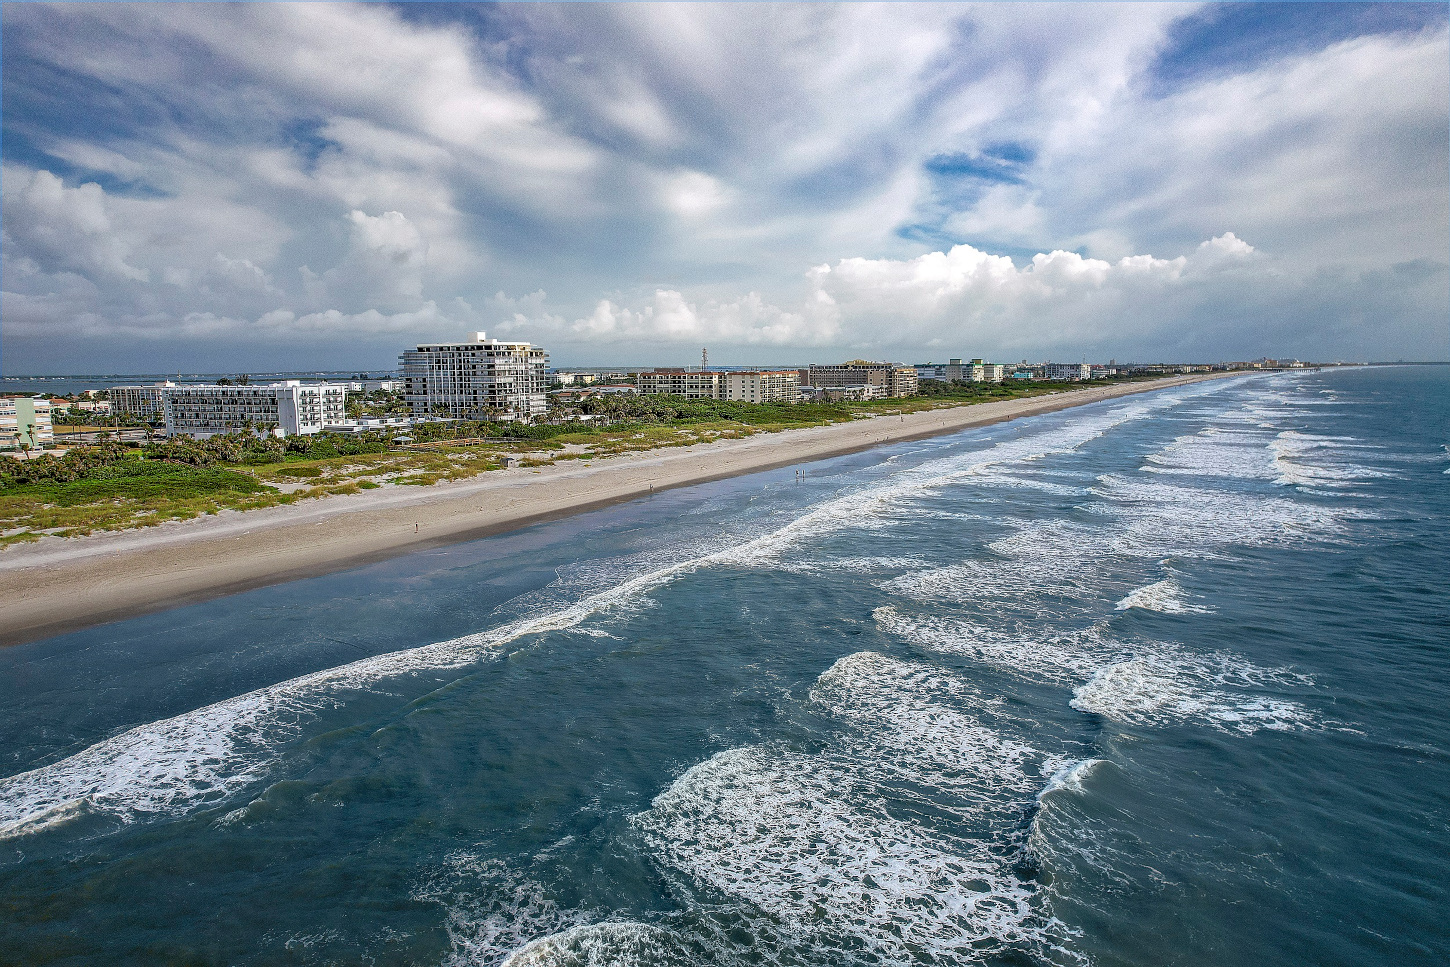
x,y
958,175
63,229
747,321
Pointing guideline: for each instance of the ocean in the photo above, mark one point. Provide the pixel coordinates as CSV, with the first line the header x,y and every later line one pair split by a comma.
x,y
1162,680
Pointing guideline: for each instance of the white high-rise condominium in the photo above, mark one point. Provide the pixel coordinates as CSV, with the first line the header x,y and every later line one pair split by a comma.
x,y
480,379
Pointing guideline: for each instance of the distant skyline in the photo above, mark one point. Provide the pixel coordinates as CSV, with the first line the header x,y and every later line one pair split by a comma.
x,y
220,188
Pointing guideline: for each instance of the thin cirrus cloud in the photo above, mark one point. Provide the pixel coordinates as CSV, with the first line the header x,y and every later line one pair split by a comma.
x,y
315,185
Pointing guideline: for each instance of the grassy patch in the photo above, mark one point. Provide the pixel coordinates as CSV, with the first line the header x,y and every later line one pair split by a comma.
x,y
128,494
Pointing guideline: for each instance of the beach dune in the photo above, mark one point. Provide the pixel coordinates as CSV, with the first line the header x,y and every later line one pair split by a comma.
x,y
58,585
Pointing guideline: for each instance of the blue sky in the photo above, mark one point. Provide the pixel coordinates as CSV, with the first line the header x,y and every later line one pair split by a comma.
x,y
255,186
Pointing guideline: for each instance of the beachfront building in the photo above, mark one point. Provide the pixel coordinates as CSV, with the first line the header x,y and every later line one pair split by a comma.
x,y
842,394
478,379
287,408
25,423
692,384
979,371
142,402
1069,371
924,371
890,379
775,386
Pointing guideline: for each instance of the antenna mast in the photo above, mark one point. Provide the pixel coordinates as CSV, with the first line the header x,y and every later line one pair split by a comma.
x,y
704,360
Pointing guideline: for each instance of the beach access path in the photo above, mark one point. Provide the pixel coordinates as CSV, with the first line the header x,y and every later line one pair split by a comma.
x,y
57,585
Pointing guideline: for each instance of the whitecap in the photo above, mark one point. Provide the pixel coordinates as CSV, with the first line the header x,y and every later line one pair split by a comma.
x,y
1164,596
1145,684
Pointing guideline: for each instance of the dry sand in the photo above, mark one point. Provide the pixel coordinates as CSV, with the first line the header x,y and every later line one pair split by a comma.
x,y
64,584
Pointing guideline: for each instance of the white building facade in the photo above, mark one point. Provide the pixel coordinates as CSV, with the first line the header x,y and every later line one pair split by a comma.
x,y
1069,371
289,408
479,379
143,402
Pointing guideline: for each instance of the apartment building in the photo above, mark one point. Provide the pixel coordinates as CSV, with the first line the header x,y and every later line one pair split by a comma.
x,y
775,386
893,380
923,371
478,379
290,407
142,402
1068,371
25,423
691,384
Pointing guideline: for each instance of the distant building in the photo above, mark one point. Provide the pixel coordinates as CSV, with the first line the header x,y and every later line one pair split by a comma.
x,y
369,424
1069,371
373,385
25,423
847,394
289,408
142,402
692,384
480,379
575,379
975,371
895,380
778,386
927,371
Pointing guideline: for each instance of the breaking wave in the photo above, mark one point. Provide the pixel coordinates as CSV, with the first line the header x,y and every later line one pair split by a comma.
x,y
821,848
1164,596
1145,684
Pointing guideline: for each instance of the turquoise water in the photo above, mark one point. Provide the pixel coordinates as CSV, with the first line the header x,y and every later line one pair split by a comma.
x,y
1157,681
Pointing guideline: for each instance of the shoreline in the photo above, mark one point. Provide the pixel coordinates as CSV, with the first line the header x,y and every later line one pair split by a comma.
x,y
60,585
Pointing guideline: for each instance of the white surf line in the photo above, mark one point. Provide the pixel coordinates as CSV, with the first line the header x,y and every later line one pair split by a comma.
x,y
203,756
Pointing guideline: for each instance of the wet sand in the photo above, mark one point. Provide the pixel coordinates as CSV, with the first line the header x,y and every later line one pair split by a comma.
x,y
64,584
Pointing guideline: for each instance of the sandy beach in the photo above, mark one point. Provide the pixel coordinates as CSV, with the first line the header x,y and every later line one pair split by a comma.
x,y
64,584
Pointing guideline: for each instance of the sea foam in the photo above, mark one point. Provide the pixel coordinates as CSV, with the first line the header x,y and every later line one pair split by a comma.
x,y
809,845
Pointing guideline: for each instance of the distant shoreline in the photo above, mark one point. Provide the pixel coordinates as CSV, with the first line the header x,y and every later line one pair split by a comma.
x,y
66,584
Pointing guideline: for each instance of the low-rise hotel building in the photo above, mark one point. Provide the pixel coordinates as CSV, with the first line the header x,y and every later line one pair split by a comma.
x,y
773,386
692,384
891,379
288,408
142,402
25,423
1069,371
478,379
